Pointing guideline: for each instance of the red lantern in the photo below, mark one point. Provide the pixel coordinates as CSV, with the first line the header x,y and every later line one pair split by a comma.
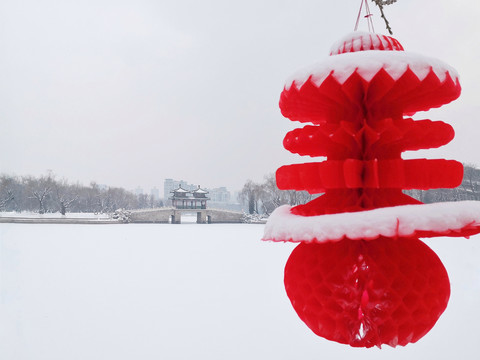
x,y
361,276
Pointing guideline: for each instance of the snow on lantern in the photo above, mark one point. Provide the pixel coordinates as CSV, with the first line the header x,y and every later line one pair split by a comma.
x,y
360,275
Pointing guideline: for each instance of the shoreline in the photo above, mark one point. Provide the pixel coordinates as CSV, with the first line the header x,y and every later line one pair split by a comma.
x,y
53,220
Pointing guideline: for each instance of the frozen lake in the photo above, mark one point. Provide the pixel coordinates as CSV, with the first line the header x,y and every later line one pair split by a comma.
x,y
190,291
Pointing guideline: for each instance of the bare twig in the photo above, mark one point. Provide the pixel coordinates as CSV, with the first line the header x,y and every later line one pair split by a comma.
x,y
380,5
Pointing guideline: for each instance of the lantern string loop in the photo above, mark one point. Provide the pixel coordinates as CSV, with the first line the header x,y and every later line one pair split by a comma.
x,y
368,16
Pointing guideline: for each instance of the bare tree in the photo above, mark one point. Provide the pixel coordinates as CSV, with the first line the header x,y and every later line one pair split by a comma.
x,y
270,195
41,196
103,203
10,192
471,181
6,199
143,201
250,194
40,190
64,196
303,197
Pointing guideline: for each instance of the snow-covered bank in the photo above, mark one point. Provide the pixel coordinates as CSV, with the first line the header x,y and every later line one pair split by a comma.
x,y
190,291
32,215
56,218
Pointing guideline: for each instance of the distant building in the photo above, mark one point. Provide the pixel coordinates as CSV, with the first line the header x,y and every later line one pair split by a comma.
x,y
138,191
236,196
220,194
155,193
168,187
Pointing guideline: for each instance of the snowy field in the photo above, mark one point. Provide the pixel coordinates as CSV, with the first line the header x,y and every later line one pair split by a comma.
x,y
190,291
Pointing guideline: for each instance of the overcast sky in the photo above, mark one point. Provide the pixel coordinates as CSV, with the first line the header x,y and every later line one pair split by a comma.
x,y
128,93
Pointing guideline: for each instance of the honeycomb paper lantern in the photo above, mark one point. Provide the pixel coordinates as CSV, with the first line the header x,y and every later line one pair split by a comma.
x,y
360,275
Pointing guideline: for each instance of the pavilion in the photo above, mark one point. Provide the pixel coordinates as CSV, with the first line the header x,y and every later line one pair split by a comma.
x,y
185,199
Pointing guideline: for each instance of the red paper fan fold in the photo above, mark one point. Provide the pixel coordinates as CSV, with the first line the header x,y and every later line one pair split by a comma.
x,y
374,174
384,139
332,101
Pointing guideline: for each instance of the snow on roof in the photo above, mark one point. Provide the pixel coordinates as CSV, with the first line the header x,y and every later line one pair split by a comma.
x,y
200,191
368,63
180,190
424,220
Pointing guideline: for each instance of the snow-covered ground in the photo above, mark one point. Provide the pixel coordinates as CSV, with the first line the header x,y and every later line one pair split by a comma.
x,y
31,215
190,291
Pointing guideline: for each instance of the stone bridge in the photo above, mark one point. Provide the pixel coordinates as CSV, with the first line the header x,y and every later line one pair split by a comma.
x,y
174,216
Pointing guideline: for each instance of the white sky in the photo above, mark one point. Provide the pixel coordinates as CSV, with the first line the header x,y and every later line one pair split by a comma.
x,y
128,93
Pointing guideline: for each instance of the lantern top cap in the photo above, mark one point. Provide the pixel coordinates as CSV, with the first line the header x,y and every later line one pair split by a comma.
x,y
364,41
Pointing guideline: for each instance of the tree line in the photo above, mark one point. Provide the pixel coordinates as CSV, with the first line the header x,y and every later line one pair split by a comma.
x,y
47,194
263,198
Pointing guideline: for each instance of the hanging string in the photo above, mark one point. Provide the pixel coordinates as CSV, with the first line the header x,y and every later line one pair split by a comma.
x,y
358,17
368,16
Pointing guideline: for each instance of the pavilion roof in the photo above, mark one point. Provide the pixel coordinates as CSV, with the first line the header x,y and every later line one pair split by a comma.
x,y
200,191
180,190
